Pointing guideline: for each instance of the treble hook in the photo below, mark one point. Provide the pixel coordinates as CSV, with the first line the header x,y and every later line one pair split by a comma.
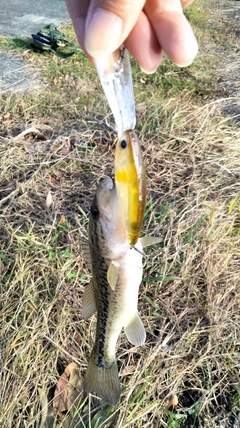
x,y
142,254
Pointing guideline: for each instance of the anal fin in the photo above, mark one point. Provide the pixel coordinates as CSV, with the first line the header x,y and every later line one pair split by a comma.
x,y
88,301
135,331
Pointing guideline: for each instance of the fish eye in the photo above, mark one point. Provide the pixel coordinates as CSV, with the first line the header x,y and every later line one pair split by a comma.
x,y
123,144
94,211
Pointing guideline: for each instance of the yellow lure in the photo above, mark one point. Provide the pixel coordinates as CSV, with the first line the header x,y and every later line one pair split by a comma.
x,y
130,181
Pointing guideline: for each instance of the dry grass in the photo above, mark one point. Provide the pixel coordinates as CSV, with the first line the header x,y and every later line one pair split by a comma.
x,y
190,296
189,299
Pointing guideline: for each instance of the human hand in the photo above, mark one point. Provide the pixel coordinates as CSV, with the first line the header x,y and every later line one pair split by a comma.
x,y
146,27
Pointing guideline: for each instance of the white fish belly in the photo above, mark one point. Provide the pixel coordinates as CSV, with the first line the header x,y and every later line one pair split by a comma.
x,y
124,299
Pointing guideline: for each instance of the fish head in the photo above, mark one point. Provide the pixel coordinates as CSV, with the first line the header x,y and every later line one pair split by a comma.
x,y
107,227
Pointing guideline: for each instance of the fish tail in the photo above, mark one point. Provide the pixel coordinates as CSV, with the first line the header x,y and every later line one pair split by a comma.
x,y
102,379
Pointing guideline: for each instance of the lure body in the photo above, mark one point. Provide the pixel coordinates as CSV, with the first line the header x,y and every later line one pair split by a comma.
x,y
130,179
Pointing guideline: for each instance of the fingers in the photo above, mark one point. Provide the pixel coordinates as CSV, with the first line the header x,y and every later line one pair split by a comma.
x,y
143,45
162,27
109,23
78,12
172,30
186,3
102,26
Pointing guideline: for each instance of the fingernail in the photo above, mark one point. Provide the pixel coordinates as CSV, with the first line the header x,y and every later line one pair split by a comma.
x,y
148,72
103,33
184,65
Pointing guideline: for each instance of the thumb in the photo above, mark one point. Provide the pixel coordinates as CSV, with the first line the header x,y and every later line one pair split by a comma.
x,y
108,24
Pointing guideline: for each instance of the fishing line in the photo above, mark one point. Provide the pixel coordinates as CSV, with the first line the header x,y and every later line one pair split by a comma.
x,y
142,254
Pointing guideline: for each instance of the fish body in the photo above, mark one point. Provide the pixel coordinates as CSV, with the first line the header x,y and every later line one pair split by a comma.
x,y
130,181
113,291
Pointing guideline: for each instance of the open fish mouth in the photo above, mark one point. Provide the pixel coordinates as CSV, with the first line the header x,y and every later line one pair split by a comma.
x,y
107,222
109,182
105,198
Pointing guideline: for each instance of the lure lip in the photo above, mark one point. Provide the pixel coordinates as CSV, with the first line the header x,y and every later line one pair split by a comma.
x,y
116,80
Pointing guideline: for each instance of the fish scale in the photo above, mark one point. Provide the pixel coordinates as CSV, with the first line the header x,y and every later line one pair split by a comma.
x,y
116,306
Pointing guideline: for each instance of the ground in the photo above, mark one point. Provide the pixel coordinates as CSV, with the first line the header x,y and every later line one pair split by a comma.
x,y
56,141
228,16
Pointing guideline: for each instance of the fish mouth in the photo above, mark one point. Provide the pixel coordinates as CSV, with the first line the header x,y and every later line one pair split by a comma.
x,y
107,182
109,225
106,197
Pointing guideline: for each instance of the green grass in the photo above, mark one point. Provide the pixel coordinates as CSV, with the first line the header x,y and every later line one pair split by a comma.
x,y
189,298
198,15
15,44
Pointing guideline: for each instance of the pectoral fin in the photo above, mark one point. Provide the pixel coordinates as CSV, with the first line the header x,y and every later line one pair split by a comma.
x,y
112,274
135,331
146,241
88,301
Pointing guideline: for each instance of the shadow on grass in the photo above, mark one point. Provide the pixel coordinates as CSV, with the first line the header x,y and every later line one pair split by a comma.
x,y
19,43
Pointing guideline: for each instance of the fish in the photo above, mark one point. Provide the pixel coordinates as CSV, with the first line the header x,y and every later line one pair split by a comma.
x,y
130,178
117,269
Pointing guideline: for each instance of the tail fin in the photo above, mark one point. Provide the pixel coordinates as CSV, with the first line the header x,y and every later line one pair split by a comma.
x,y
103,380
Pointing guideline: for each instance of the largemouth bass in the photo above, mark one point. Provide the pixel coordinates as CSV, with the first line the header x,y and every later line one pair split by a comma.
x,y
113,291
131,183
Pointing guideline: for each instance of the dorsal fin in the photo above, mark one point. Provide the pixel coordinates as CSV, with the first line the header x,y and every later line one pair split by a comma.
x,y
84,245
88,301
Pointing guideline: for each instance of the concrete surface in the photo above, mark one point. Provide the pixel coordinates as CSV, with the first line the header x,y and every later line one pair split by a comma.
x,y
16,74
21,18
